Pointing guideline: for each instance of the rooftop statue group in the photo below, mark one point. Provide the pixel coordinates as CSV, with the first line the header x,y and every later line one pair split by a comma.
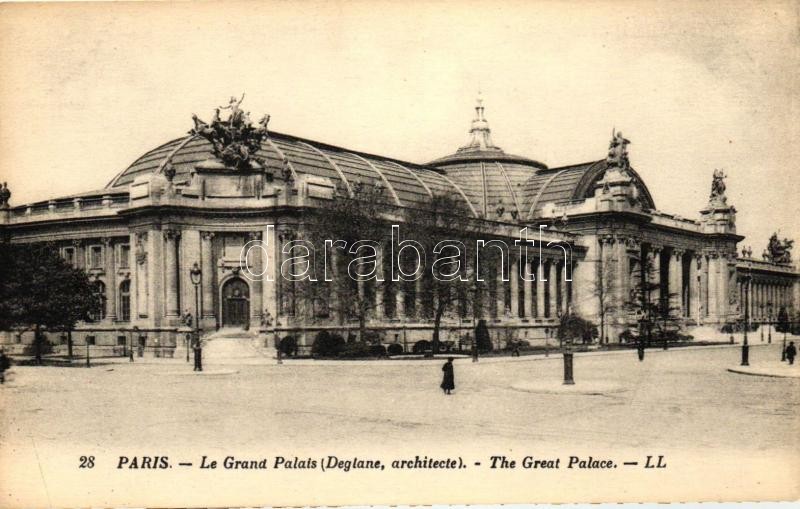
x,y
718,186
777,251
5,195
618,151
235,140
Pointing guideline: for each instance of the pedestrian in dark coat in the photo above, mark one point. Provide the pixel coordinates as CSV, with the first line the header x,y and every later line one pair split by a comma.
x,y
448,380
791,352
5,363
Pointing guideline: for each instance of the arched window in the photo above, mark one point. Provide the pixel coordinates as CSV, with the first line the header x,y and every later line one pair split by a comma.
x,y
100,295
125,301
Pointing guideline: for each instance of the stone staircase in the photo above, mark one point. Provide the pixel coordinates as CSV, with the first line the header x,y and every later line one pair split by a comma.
x,y
236,346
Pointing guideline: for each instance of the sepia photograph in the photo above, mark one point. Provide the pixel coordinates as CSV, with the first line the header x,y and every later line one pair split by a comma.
x,y
337,253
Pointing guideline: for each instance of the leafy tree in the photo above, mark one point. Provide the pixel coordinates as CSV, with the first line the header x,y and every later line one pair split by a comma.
x,y
39,290
650,316
483,340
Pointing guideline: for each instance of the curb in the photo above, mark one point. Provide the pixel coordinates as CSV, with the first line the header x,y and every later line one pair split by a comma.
x,y
768,375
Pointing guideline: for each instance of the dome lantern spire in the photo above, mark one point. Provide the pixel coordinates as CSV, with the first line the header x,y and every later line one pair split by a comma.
x,y
480,134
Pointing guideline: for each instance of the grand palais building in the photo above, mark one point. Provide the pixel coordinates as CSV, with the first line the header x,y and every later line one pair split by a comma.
x,y
198,199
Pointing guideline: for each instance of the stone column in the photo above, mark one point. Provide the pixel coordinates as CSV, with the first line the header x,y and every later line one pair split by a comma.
x,y
552,281
171,271
652,273
282,285
541,284
111,280
207,276
500,292
723,288
527,289
399,300
676,281
256,281
694,288
142,282
418,302
623,273
562,275
514,276
132,266
714,287
380,312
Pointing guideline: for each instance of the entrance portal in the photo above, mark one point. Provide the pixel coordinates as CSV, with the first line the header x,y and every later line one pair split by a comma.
x,y
235,303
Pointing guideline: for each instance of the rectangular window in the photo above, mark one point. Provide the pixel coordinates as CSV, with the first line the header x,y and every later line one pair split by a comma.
x,y
90,340
96,257
124,256
68,254
233,245
121,341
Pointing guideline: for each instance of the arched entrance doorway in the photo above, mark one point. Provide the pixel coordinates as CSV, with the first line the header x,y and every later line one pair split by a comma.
x,y
235,303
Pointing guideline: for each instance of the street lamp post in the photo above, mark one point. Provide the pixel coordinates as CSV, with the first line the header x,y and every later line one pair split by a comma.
x,y
783,350
568,378
746,280
769,322
134,333
195,273
761,322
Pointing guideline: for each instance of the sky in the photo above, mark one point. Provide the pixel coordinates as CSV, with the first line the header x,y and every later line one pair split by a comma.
x,y
85,89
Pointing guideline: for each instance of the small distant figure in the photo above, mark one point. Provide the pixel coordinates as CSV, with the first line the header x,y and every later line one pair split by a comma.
x,y
515,350
791,352
5,363
198,356
448,380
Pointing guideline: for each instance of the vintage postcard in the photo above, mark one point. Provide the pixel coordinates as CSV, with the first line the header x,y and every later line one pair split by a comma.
x,y
375,253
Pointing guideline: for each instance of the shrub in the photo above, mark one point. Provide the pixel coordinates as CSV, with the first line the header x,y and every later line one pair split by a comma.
x,y
289,345
395,349
421,346
327,344
482,339
575,328
372,336
356,350
627,336
377,350
519,343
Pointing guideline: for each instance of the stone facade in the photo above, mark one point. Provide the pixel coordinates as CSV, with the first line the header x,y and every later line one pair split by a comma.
x,y
179,205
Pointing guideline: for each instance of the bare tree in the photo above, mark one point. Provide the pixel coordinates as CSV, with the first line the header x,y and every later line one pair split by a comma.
x,y
348,275
450,284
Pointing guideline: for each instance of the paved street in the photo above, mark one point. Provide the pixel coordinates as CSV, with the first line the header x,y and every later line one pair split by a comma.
x,y
680,400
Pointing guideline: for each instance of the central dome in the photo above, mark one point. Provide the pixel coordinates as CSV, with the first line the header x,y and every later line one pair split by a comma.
x,y
490,177
481,148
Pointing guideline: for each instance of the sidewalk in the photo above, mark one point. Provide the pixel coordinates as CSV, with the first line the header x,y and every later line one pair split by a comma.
x,y
774,370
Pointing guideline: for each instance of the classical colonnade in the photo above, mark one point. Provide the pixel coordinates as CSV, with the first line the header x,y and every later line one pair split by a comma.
x,y
694,284
767,296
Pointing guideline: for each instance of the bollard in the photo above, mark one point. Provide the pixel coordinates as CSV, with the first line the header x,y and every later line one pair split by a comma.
x,y
745,353
568,380
731,338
